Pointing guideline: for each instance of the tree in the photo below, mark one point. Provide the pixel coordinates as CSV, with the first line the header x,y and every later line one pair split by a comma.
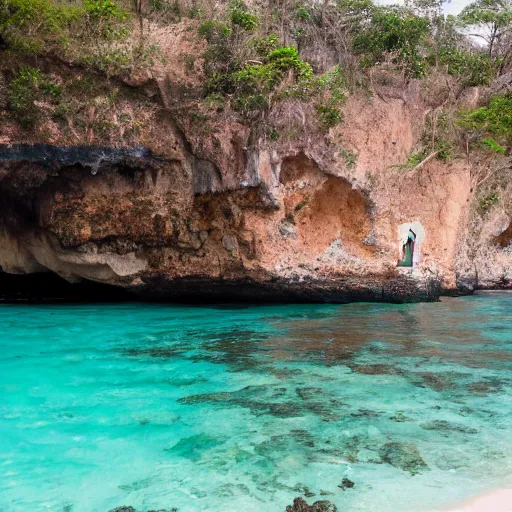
x,y
492,20
395,31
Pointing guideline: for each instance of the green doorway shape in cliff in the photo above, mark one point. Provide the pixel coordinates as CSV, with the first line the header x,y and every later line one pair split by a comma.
x,y
408,250
411,236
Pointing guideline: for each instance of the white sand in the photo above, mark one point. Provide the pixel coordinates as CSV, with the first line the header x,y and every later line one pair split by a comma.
x,y
494,501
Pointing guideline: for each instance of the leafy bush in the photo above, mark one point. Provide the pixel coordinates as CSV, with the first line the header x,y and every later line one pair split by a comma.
x,y
264,45
302,13
37,25
396,31
332,88
256,78
244,19
350,158
287,58
329,116
444,149
494,146
250,104
494,120
103,9
213,31
415,158
472,69
94,32
249,85
28,87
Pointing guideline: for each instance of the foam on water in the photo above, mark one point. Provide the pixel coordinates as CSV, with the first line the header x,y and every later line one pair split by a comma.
x,y
224,409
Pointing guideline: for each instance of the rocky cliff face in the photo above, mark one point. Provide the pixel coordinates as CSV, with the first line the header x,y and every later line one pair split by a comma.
x,y
189,213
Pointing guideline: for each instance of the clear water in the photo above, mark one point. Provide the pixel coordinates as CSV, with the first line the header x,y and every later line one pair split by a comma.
x,y
220,409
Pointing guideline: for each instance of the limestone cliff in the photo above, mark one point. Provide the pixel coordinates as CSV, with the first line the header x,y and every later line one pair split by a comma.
x,y
175,206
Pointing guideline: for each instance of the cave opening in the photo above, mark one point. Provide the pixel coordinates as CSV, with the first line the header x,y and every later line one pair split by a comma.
x,y
326,210
48,287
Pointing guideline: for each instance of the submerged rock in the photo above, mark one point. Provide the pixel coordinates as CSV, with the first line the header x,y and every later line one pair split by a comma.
x,y
484,388
444,425
346,483
295,442
403,456
377,369
264,399
399,417
193,447
365,413
300,505
309,393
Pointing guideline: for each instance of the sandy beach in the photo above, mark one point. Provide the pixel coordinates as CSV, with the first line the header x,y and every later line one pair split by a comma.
x,y
493,501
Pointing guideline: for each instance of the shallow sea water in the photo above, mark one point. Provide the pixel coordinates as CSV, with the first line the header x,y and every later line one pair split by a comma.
x,y
243,409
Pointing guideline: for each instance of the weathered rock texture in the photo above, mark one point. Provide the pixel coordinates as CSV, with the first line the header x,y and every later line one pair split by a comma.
x,y
215,214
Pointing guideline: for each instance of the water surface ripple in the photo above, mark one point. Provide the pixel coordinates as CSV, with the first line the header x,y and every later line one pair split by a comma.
x,y
243,409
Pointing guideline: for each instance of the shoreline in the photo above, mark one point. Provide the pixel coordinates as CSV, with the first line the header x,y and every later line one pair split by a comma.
x,y
498,500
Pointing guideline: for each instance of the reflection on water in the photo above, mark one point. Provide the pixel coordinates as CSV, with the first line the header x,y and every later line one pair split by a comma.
x,y
229,409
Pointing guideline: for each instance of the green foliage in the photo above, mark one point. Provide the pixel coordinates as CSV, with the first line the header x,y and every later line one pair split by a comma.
x,y
254,83
36,25
213,31
105,9
494,120
196,13
490,18
265,45
329,116
215,102
302,13
356,9
301,204
488,201
94,32
218,56
189,59
250,104
350,158
249,86
29,86
332,87
444,149
396,31
493,145
241,17
164,7
472,69
287,58
273,134
334,82
415,158
257,78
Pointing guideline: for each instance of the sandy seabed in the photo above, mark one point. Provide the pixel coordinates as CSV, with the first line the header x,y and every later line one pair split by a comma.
x,y
493,501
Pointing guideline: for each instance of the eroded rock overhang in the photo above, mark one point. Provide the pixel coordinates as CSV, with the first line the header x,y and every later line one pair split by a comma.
x,y
285,229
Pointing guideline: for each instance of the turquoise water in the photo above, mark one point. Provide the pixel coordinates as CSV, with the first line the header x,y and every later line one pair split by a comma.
x,y
223,409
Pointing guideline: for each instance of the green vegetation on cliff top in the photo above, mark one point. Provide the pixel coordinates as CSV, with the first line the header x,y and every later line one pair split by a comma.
x,y
256,58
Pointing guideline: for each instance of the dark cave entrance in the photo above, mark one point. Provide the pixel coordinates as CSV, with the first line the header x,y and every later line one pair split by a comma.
x,y
47,287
